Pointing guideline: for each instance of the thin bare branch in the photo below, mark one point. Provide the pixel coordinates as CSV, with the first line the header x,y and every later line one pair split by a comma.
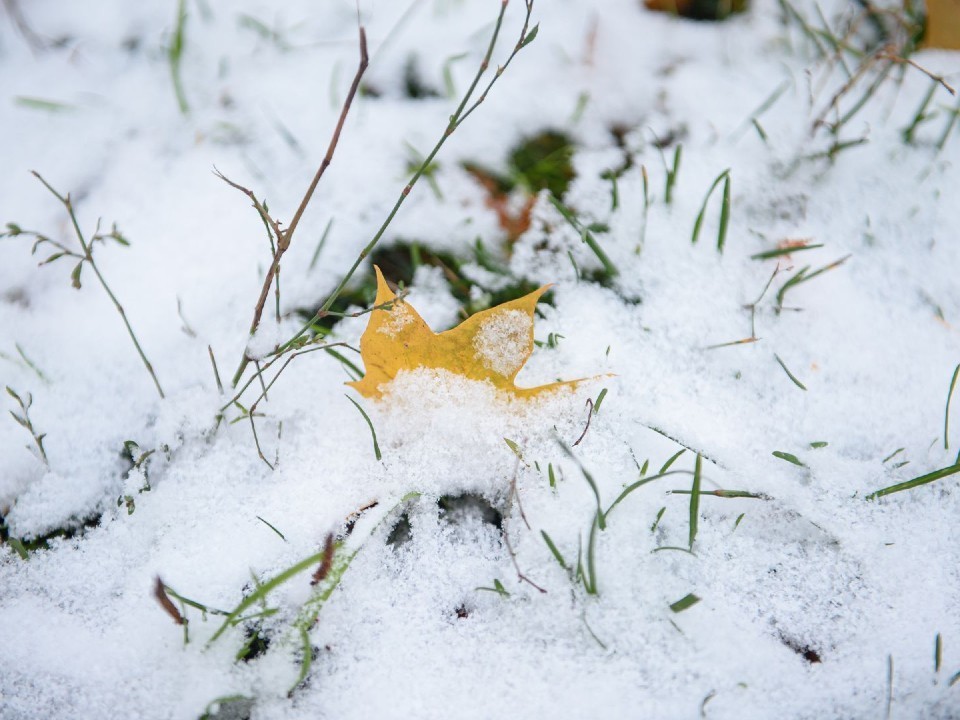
x,y
284,238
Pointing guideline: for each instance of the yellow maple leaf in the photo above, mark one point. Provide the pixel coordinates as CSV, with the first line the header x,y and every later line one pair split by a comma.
x,y
491,346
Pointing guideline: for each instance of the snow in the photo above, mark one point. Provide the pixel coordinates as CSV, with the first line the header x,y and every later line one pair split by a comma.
x,y
416,627
503,341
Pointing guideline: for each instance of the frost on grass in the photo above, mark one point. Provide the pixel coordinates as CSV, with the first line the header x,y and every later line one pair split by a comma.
x,y
503,342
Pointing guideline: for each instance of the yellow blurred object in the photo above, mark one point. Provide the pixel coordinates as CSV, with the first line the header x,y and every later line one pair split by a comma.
x,y
943,25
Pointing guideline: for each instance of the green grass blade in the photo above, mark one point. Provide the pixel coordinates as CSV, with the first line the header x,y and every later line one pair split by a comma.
x,y
685,603
946,414
695,501
789,250
789,374
373,433
175,55
271,527
555,551
916,482
698,224
724,215
789,457
671,460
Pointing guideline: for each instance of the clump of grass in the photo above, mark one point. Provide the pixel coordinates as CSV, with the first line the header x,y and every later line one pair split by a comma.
x,y
329,566
84,257
724,211
543,162
867,45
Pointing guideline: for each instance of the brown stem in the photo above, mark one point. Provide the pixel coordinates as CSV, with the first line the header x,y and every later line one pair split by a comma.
x,y
461,114
285,237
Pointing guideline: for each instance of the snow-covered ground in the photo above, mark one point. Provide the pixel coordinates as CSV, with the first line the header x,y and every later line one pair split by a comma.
x,y
814,601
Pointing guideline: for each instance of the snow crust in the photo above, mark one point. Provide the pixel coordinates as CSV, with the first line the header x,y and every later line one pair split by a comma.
x,y
808,593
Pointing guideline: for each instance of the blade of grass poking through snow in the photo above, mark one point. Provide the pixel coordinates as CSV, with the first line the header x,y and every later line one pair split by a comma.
x,y
789,457
889,686
698,224
216,372
724,215
946,414
789,374
695,502
336,559
596,403
497,588
373,433
462,112
590,481
590,577
646,209
892,455
916,482
35,103
175,55
352,370
671,460
953,114
656,520
937,653
271,527
762,108
921,114
320,244
31,364
803,276
515,449
788,249
639,484
555,552
337,563
585,235
672,173
685,603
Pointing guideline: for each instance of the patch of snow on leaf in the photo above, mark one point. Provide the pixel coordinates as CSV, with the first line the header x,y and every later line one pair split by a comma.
x,y
400,317
503,342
